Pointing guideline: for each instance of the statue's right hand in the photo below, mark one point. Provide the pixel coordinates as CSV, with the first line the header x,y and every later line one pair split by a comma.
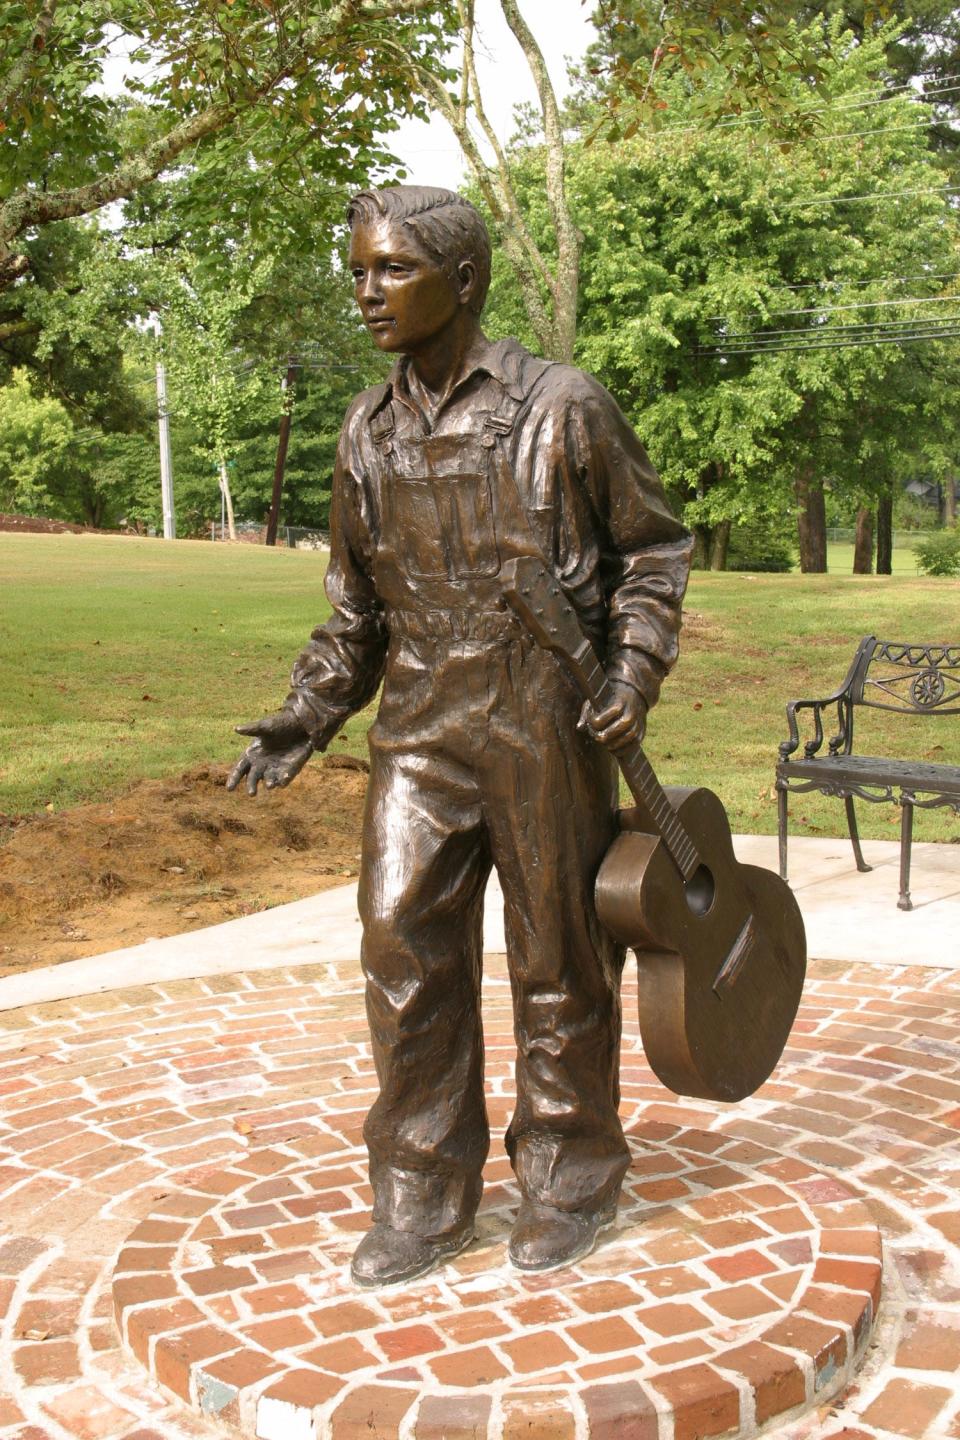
x,y
278,752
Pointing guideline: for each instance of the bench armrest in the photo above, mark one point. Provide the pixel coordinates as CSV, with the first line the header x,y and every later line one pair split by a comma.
x,y
839,744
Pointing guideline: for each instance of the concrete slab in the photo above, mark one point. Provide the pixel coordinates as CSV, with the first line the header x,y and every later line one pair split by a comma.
x,y
848,917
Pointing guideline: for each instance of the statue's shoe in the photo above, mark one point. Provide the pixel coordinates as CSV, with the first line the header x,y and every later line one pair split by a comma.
x,y
389,1257
544,1238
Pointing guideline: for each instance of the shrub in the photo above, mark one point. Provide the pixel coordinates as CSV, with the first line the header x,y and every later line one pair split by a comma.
x,y
939,553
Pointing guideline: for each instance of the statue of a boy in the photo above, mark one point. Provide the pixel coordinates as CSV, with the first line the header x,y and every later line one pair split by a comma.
x,y
471,453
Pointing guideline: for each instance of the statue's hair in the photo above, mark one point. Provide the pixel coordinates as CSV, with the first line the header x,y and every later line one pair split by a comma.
x,y
448,227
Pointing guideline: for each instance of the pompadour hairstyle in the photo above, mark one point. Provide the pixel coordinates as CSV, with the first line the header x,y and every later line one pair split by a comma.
x,y
448,227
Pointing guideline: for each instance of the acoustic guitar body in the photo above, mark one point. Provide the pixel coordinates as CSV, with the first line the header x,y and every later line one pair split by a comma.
x,y
721,957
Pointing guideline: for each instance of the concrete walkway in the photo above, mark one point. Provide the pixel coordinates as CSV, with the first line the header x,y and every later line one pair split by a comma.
x,y
848,916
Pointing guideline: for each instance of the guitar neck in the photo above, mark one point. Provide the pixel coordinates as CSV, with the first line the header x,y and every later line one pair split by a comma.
x,y
637,770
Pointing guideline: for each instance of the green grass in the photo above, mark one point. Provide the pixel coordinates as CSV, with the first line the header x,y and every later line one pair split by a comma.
x,y
90,625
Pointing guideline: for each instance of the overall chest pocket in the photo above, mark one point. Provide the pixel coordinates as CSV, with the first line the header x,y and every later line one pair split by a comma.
x,y
441,509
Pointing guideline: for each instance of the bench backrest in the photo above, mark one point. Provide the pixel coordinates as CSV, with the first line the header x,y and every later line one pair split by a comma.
x,y
913,678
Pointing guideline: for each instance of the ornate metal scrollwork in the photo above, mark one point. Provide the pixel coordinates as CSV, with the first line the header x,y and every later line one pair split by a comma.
x,y
928,688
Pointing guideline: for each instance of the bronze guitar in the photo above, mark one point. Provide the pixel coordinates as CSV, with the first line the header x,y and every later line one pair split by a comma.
x,y
721,948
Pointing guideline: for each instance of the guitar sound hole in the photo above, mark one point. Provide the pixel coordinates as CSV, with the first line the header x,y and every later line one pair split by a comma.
x,y
700,891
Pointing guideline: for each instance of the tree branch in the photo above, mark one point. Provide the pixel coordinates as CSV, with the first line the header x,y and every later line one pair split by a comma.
x,y
29,207
22,67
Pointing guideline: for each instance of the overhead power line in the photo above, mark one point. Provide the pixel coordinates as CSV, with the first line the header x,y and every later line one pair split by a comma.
x,y
758,118
879,280
720,352
871,326
858,305
871,199
878,333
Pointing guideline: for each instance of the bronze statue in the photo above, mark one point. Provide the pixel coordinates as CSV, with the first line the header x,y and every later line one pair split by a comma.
x,y
472,455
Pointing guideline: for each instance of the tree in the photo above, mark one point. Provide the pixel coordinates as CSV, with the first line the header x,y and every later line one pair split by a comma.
x,y
749,392
315,74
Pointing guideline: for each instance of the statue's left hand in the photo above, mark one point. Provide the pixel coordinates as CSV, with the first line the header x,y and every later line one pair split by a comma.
x,y
622,723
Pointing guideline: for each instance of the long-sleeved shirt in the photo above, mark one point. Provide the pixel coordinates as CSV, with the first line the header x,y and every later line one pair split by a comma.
x,y
590,497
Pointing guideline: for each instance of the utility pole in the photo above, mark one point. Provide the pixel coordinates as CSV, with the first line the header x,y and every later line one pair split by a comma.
x,y
283,440
166,457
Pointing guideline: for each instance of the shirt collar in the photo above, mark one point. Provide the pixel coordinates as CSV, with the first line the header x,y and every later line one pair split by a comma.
x,y
500,359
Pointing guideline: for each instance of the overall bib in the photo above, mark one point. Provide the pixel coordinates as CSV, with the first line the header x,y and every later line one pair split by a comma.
x,y
476,760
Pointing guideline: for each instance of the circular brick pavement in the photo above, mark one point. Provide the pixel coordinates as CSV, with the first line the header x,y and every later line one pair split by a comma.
x,y
730,1291
114,1106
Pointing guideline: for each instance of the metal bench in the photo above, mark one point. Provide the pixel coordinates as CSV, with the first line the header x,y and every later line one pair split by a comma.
x,y
887,675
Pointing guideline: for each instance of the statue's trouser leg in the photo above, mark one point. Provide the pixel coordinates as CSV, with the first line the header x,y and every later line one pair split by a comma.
x,y
421,902
548,834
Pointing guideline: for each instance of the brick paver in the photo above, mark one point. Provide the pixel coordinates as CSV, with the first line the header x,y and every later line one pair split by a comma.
x,y
188,1156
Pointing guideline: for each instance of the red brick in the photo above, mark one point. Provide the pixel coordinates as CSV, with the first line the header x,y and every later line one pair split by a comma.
x,y
851,1275
305,1388
537,1415
744,1265
906,1408
87,1414
678,1319
742,1302
340,1356
776,1378
267,1299
453,1417
158,1258
408,1340
254,1217
150,1320
142,1289
670,1280
286,1332
53,1362
826,1346
543,1351
542,1309
18,1254
703,1403
620,1412
47,1319
472,1326
602,1296
602,1336
218,1279
174,1355
239,1369
476,1366
929,1345
343,1319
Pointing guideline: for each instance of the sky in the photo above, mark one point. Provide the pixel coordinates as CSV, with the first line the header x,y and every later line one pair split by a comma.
x,y
428,149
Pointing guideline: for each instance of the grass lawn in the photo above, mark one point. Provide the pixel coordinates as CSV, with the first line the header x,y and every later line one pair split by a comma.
x,y
121,659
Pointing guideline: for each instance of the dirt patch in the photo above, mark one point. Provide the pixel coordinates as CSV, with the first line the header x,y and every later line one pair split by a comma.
x,y
171,856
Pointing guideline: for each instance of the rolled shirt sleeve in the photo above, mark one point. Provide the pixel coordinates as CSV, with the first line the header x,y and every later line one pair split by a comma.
x,y
645,551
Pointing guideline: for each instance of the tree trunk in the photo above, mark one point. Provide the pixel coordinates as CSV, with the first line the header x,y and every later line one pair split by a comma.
x,y
863,545
719,546
227,499
701,546
885,534
811,523
950,501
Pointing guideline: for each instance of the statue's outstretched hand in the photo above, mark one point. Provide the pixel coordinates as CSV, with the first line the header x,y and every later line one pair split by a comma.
x,y
279,751
622,723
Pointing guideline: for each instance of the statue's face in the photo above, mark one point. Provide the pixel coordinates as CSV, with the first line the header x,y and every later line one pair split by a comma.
x,y
404,296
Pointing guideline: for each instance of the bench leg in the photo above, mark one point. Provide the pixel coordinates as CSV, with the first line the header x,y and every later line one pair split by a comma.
x,y
782,830
906,840
862,865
